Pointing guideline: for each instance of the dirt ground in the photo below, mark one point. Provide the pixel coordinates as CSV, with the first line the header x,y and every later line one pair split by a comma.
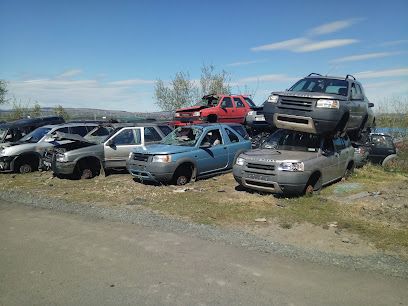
x,y
360,216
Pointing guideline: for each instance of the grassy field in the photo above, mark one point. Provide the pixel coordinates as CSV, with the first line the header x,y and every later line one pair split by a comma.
x,y
380,218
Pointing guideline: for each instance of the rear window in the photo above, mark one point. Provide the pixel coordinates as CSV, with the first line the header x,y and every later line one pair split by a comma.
x,y
382,141
240,130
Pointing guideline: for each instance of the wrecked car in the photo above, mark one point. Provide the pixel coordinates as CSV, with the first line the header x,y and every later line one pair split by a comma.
x,y
215,108
24,155
15,130
321,105
381,148
188,153
85,159
295,163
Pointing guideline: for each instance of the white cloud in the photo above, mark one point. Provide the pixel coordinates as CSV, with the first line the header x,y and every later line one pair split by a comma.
x,y
131,82
128,95
264,78
243,63
305,45
69,73
394,42
362,57
382,73
333,26
290,44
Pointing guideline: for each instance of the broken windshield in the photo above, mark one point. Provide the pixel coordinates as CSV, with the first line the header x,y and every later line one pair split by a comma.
x,y
35,135
292,141
183,136
208,101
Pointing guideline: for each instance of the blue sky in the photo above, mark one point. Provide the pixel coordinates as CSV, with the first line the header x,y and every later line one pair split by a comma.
x,y
108,54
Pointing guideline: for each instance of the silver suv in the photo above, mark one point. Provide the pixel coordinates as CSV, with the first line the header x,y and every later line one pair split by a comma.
x,y
85,159
24,155
292,162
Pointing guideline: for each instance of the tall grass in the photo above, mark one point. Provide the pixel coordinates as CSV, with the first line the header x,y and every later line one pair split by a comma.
x,y
392,113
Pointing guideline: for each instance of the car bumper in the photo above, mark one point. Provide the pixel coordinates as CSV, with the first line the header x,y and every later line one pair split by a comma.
x,y
63,168
154,172
281,182
316,120
188,121
6,163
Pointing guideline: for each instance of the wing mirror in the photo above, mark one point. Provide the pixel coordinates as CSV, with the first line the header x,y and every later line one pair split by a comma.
x,y
370,104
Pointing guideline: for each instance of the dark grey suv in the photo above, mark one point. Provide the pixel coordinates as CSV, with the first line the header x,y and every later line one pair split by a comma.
x,y
322,104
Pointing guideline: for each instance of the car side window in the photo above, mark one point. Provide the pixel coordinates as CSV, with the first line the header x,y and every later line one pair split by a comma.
x,y
150,134
328,146
79,130
213,138
355,92
231,135
238,102
241,131
61,130
227,103
339,144
127,137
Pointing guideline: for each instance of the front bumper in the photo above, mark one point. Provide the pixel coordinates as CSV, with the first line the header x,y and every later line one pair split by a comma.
x,y
183,121
315,120
67,168
278,182
6,163
154,172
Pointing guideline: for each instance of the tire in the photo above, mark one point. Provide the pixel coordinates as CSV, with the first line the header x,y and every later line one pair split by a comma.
x,y
357,134
25,168
388,160
349,172
182,175
313,186
86,174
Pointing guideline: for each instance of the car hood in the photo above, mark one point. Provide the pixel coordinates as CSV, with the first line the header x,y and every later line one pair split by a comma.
x,y
156,149
271,155
192,108
313,95
26,148
73,137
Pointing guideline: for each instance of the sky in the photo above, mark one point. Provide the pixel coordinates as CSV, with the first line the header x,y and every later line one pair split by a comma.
x,y
108,54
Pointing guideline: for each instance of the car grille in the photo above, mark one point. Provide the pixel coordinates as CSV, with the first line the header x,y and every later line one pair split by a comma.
x,y
140,157
261,166
297,103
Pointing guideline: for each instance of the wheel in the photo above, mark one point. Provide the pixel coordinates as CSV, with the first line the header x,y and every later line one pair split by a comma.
x,y
314,185
182,175
25,168
349,172
86,174
388,160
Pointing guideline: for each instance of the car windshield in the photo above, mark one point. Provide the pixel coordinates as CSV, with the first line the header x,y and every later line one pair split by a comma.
x,y
323,85
100,134
183,136
208,101
36,135
292,141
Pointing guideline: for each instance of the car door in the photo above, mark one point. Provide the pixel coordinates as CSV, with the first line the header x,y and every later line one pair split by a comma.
x,y
341,150
226,110
118,147
356,106
329,160
212,152
240,111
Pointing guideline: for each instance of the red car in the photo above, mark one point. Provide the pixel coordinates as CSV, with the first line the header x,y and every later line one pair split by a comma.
x,y
215,108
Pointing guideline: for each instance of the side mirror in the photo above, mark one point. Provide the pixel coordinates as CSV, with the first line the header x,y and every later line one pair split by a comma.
x,y
370,104
110,143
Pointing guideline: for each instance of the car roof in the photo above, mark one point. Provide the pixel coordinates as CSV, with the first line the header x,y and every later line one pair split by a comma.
x,y
68,125
331,77
28,121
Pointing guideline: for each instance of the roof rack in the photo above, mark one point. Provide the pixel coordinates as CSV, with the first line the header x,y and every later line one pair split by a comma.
x,y
313,73
349,75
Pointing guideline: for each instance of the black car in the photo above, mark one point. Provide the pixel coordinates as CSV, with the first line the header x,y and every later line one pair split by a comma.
x,y
13,131
380,146
322,104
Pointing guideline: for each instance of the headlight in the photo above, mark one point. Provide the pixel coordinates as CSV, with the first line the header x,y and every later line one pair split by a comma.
x,y
240,161
273,98
252,113
130,155
196,114
291,166
177,115
61,158
161,159
325,103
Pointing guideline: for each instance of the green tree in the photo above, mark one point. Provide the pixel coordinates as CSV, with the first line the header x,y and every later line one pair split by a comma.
x,y
60,111
183,92
36,110
18,110
180,93
3,92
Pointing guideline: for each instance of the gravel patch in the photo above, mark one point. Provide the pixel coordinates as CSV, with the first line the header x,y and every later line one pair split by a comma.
x,y
135,214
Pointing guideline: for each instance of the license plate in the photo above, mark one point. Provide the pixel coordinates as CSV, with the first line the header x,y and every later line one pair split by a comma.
x,y
260,118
